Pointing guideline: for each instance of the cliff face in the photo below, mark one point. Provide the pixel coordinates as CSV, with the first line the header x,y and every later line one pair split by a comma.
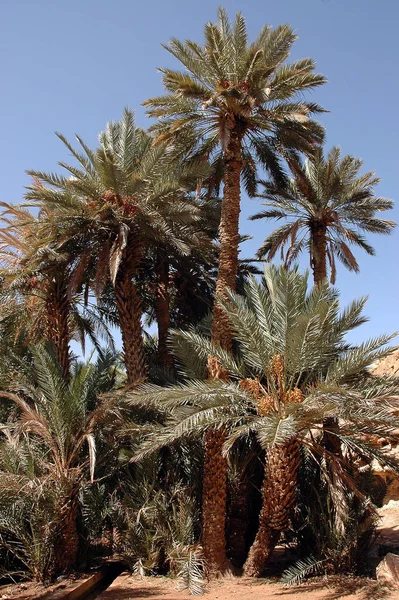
x,y
387,366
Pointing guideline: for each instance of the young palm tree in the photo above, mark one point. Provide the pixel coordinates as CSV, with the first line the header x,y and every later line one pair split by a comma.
x,y
328,205
120,199
293,369
243,106
61,421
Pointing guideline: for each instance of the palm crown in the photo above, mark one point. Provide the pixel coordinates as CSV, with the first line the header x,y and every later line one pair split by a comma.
x,y
289,341
328,204
124,189
64,416
237,104
232,86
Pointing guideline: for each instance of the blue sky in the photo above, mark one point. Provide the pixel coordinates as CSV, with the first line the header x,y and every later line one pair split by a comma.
x,y
72,66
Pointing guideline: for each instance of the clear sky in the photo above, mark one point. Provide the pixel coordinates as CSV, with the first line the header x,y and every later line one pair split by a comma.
x,y
72,66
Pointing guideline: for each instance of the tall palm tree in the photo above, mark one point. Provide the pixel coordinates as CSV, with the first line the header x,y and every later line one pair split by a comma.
x,y
243,106
328,205
118,200
61,420
293,369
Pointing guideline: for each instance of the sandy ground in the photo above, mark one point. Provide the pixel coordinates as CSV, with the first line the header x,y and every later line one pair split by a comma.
x,y
30,590
129,587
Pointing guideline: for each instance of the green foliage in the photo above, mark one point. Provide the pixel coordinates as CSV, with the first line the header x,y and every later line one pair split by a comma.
x,y
279,316
335,526
47,451
229,83
302,569
27,520
327,194
157,530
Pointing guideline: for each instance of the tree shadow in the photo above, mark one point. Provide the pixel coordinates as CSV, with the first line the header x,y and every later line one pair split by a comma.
x,y
387,538
338,587
127,592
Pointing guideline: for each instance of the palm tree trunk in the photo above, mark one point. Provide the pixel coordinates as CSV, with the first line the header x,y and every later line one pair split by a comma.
x,y
57,304
214,501
66,540
319,266
228,239
278,494
128,305
319,252
215,465
162,310
237,521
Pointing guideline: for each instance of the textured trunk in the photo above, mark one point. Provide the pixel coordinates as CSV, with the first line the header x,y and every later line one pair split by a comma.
x,y
162,311
319,265
278,496
66,542
214,501
237,522
57,305
228,239
128,305
215,465
319,254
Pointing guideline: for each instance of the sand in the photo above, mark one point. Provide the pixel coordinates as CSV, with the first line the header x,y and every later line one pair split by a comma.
x,y
130,587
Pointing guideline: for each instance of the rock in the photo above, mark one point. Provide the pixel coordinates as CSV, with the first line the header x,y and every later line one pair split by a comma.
x,y
392,493
387,366
387,530
386,475
388,570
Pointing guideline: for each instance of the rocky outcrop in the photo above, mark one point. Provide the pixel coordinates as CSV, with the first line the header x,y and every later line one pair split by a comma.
x,y
388,570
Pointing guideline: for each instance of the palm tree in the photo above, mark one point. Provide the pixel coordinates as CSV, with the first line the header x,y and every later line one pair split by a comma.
x,y
243,106
293,369
120,199
328,205
242,100
35,303
60,420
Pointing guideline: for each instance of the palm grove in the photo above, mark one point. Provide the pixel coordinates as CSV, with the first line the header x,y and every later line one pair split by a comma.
x,y
244,422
